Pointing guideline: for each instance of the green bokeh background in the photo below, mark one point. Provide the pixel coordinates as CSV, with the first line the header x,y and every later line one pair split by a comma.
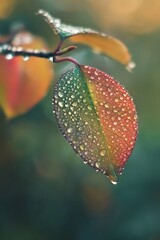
x,y
46,192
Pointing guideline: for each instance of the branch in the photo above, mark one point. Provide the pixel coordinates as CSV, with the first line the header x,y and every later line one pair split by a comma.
x,y
8,49
12,51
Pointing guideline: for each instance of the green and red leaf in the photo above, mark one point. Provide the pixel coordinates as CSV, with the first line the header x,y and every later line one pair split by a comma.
x,y
98,118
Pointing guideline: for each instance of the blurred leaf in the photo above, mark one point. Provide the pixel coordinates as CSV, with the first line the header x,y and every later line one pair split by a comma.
x,y
23,83
137,16
99,42
6,7
98,118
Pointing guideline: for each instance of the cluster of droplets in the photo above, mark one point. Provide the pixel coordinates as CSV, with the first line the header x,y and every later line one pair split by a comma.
x,y
78,120
55,23
62,29
117,114
98,118
69,30
11,51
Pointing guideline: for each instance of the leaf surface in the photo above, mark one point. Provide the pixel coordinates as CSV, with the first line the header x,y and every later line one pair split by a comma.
x,y
106,45
98,118
99,42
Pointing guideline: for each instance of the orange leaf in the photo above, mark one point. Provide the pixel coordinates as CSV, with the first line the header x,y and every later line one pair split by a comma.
x,y
6,7
23,84
106,45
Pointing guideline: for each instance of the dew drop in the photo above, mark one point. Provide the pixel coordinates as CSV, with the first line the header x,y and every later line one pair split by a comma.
x,y
131,65
60,94
97,164
106,106
5,47
81,147
114,182
60,104
26,58
96,73
9,56
74,104
89,108
51,59
103,153
69,130
135,116
80,129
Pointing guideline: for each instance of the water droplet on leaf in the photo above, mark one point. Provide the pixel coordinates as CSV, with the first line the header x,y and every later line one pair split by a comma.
x,y
9,56
26,58
103,153
60,94
60,104
69,130
131,65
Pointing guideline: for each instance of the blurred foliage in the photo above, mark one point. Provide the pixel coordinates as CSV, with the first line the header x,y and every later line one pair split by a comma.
x,y
22,82
6,8
138,16
46,192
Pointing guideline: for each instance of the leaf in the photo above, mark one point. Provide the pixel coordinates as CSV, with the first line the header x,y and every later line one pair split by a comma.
x,y
6,7
97,117
99,42
105,45
23,84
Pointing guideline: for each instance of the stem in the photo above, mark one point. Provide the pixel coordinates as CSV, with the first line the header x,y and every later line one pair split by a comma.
x,y
65,50
69,59
18,51
59,46
6,49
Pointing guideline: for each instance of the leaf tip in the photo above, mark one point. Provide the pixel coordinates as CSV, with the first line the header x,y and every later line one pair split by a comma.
x,y
112,174
40,12
113,181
